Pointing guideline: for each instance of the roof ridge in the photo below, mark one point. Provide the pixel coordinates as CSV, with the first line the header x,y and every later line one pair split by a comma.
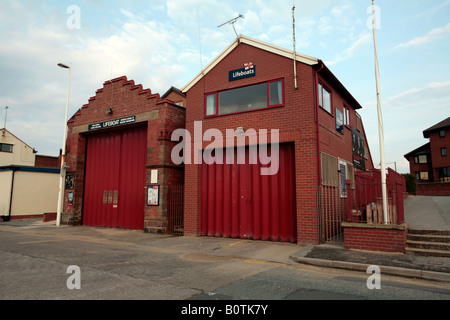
x,y
255,43
440,125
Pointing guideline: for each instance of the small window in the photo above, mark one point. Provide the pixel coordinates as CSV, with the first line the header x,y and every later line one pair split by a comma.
x,y
443,151
210,104
422,158
275,93
444,174
442,133
346,116
423,175
4,147
324,98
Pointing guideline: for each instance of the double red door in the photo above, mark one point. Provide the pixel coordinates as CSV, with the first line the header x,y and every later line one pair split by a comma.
x,y
114,193
239,202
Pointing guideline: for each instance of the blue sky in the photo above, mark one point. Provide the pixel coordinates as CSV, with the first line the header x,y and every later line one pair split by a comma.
x,y
163,43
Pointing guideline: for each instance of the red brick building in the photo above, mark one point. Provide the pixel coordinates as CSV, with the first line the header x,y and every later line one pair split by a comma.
x,y
118,158
430,163
250,87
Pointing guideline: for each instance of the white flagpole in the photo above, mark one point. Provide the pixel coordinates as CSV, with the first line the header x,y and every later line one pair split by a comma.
x,y
380,122
293,36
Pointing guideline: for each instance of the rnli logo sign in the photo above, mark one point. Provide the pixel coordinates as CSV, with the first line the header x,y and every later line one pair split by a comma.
x,y
249,70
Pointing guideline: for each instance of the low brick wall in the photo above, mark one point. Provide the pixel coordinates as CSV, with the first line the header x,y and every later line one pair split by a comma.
x,y
49,216
375,237
433,189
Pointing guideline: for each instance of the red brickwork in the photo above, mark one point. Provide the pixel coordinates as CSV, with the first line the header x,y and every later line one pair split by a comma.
x,y
160,116
433,189
46,161
436,143
296,122
375,238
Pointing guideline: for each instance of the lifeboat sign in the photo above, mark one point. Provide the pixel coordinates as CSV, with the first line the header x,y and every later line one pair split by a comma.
x,y
112,123
249,70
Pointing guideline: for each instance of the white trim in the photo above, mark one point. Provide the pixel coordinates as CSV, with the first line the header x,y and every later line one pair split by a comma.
x,y
257,44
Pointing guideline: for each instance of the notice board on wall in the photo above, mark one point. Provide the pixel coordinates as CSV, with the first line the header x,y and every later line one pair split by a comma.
x,y
358,149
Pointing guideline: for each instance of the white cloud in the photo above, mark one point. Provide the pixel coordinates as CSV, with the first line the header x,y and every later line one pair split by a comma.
x,y
153,54
435,34
421,96
325,26
157,45
405,116
351,51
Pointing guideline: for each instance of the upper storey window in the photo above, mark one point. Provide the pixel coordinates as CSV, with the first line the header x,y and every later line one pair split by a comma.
x,y
324,98
257,96
5,147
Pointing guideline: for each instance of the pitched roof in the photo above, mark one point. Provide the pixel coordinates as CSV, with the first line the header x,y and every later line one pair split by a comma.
x,y
424,149
311,61
255,43
438,126
4,130
172,89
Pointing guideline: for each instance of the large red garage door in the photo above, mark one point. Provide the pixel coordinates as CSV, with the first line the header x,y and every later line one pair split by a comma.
x,y
239,202
115,179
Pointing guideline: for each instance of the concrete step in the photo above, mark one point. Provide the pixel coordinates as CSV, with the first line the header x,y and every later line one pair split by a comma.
x,y
427,252
429,237
430,243
443,246
429,232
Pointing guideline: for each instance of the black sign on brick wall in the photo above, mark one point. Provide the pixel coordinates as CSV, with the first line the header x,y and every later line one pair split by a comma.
x,y
358,149
112,123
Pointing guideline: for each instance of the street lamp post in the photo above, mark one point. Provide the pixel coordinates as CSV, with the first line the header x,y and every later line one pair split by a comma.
x,y
62,176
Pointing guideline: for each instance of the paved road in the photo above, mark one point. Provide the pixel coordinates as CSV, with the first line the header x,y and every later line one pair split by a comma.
x,y
427,212
124,264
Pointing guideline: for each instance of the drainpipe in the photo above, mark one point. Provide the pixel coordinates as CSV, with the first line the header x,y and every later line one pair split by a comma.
x,y
8,218
316,83
295,55
319,165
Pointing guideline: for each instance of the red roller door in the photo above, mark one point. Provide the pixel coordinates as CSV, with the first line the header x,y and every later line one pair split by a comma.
x,y
115,179
238,202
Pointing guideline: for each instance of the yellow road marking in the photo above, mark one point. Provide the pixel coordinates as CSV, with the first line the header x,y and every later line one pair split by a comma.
x,y
232,244
40,241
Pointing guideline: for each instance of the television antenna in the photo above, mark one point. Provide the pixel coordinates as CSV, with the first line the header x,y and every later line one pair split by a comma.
x,y
232,21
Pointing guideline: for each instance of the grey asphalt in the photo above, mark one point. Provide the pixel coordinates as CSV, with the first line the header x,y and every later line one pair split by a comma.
x,y
421,212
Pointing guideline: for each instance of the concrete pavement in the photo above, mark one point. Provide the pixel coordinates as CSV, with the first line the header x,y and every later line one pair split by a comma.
x,y
420,212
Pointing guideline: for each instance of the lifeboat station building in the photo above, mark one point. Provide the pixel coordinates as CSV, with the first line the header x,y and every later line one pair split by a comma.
x,y
263,94
264,143
118,164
